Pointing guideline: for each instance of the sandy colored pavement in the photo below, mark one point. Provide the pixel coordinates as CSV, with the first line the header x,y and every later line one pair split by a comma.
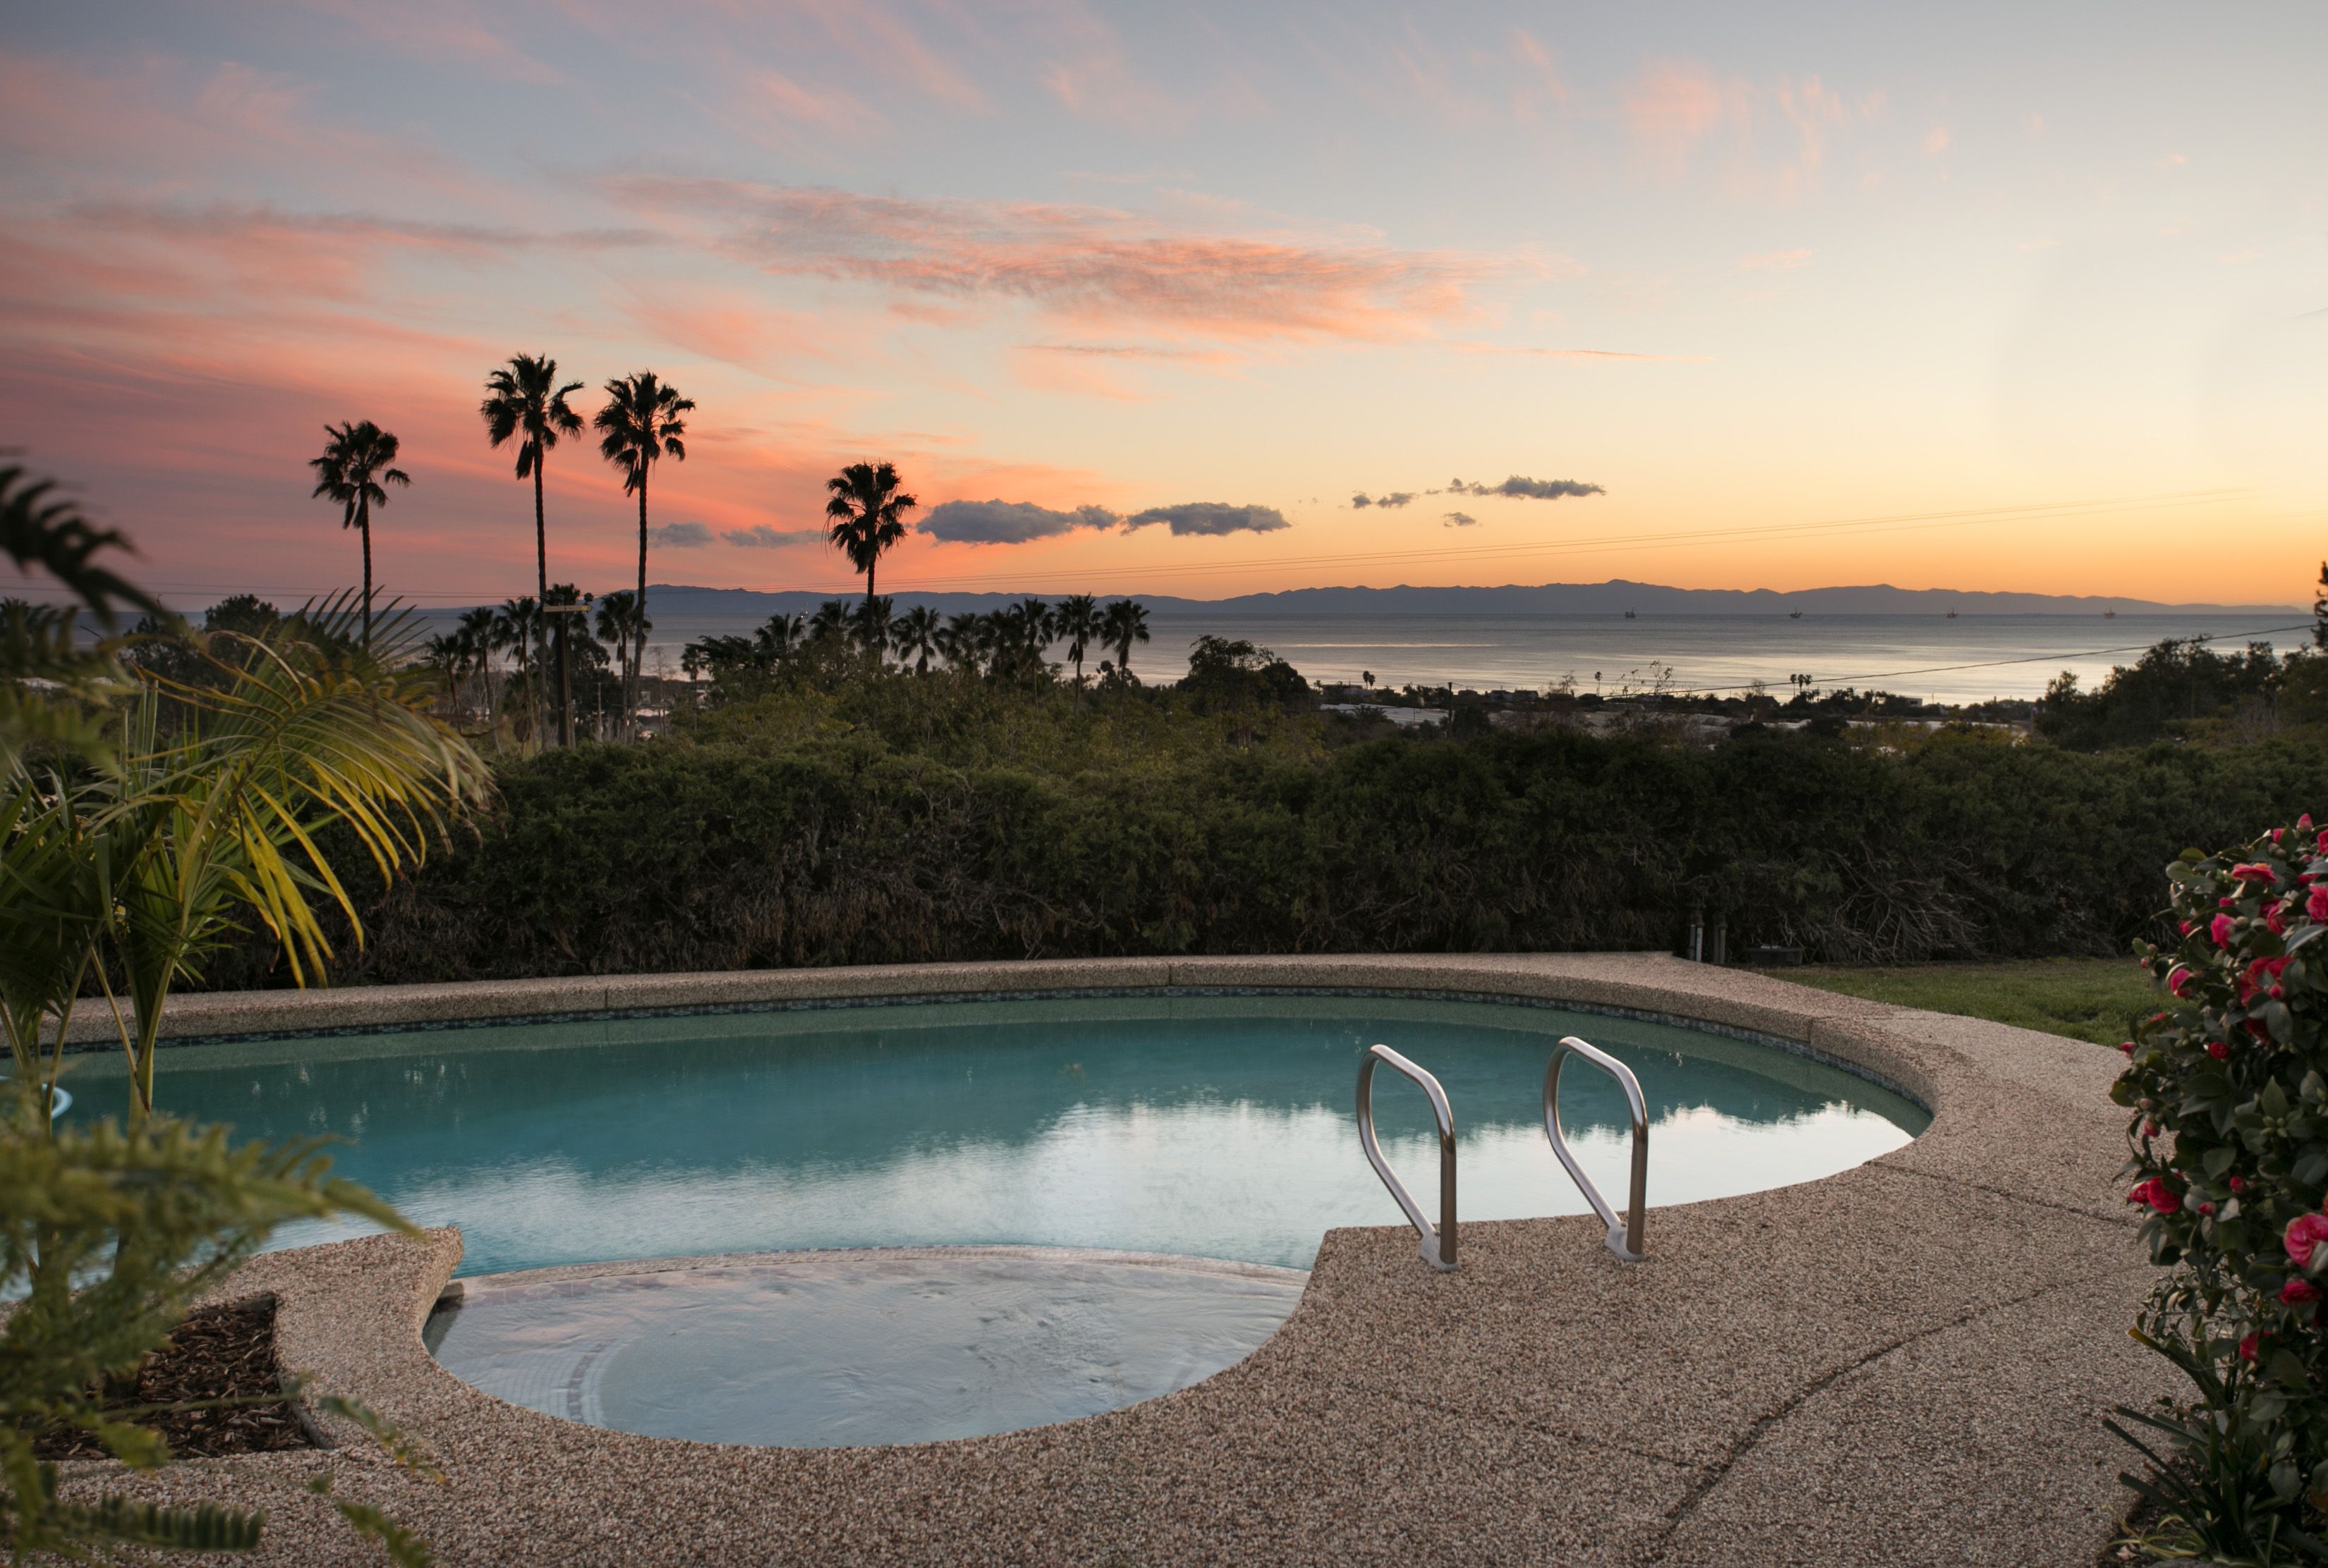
x,y
1907,1363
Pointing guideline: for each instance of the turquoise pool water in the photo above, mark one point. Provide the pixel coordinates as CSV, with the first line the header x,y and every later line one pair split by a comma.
x,y
1208,1126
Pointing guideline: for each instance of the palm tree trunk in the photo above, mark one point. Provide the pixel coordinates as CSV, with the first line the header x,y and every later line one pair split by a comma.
x,y
541,587
869,566
363,526
639,608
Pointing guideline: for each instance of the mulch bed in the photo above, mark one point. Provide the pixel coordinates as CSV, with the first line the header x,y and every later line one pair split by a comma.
x,y
225,1352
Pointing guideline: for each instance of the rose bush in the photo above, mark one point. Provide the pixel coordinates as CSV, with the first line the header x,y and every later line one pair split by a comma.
x,y
2228,1087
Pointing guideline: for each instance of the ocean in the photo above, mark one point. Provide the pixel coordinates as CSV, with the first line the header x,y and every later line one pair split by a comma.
x,y
1969,659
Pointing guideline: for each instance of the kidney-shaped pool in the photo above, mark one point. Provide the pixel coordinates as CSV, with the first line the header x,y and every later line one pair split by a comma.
x,y
1214,1127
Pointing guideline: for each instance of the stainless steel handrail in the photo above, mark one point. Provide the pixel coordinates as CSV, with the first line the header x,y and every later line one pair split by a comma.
x,y
1625,1239
1438,1245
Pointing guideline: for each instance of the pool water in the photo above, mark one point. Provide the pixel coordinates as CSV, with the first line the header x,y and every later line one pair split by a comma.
x,y
1217,1127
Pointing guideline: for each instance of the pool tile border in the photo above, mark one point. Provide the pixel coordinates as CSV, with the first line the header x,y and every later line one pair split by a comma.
x,y
1792,1046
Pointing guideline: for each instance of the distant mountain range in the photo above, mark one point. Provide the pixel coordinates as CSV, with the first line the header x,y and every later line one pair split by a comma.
x,y
1610,598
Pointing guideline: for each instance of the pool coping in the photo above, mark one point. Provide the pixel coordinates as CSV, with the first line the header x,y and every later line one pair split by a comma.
x,y
1968,1291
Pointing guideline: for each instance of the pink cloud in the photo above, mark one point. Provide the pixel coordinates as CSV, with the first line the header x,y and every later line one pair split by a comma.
x,y
1077,264
1674,105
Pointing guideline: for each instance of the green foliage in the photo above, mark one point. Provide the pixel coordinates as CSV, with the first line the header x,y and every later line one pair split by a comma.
x,y
106,1237
2180,688
39,528
897,818
2228,1137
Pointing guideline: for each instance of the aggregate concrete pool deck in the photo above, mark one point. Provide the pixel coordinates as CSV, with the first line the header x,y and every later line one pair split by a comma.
x,y
1907,1363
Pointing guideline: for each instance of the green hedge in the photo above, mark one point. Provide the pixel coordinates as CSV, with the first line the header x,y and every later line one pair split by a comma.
x,y
815,842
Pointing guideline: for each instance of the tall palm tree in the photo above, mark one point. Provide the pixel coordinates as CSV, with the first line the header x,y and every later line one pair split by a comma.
x,y
1077,620
867,512
1122,624
525,402
357,461
639,423
914,634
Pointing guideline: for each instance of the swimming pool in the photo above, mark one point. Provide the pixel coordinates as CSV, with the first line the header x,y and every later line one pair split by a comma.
x,y
912,1221
1212,1126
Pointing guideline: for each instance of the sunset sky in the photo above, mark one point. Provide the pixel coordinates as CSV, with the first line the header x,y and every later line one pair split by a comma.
x,y
1979,297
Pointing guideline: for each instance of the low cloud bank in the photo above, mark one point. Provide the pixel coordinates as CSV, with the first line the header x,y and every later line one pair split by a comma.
x,y
1526,489
1022,521
761,536
679,535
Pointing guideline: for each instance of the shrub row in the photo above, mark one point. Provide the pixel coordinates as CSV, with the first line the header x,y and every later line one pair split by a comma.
x,y
828,846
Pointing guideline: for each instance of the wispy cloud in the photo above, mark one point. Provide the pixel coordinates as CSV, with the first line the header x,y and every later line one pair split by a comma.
x,y
1584,355
1395,498
1075,263
680,535
1460,520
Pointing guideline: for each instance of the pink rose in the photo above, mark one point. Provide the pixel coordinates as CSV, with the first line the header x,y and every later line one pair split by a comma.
x,y
2157,1195
2321,847
2296,1292
2303,823
2239,1184
2179,981
2247,1347
2207,1210
2276,917
2316,904
2218,1050
2127,1048
2305,1232
2220,928
2188,928
2254,871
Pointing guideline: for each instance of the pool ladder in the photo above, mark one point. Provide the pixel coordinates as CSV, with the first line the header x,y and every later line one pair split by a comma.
x,y
1438,1241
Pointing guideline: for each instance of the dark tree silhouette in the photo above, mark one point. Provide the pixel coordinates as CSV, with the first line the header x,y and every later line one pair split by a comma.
x,y
867,512
523,402
356,462
639,423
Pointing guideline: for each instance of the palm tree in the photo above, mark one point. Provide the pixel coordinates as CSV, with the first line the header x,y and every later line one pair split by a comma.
x,y
355,463
1078,622
870,624
618,619
523,400
778,639
831,620
958,641
867,513
1122,624
515,631
640,423
477,636
915,635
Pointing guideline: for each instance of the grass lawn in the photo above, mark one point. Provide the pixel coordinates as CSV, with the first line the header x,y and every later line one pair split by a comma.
x,y
2087,998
